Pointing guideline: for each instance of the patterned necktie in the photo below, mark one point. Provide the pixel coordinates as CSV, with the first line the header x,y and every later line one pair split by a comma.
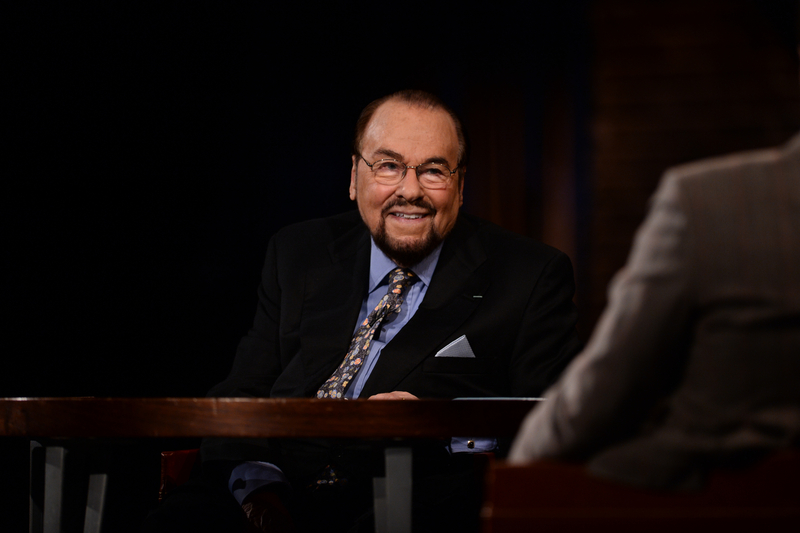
x,y
401,280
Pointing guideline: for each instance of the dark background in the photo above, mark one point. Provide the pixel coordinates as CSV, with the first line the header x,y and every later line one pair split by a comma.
x,y
151,154
163,148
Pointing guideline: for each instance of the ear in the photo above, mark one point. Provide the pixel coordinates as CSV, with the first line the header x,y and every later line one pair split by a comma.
x,y
353,172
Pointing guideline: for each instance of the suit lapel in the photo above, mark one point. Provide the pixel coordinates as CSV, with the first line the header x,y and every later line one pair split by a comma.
x,y
334,291
448,302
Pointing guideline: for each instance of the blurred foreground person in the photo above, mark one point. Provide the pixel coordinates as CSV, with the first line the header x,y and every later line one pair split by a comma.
x,y
696,360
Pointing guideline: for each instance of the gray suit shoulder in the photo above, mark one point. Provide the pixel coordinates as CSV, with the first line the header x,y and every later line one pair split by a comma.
x,y
750,162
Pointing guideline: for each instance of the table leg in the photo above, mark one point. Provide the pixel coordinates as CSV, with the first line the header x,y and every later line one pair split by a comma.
x,y
55,457
48,501
393,493
95,501
36,489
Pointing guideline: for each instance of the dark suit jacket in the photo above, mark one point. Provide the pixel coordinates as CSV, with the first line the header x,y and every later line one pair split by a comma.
x,y
510,296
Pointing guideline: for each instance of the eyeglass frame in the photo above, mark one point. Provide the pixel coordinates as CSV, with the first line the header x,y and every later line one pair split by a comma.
x,y
406,167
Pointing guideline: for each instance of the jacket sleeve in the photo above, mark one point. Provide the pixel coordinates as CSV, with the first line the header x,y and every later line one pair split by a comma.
x,y
547,340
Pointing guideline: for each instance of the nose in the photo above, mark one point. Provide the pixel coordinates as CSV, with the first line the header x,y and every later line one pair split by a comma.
x,y
409,188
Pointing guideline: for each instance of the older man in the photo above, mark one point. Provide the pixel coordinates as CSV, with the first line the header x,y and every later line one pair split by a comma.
x,y
405,298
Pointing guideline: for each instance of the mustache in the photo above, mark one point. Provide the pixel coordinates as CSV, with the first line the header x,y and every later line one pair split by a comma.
x,y
402,202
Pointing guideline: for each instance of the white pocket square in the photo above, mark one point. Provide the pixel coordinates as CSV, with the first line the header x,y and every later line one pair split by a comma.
x,y
458,348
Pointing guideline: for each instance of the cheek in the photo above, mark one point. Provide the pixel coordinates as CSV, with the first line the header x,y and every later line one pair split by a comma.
x,y
446,211
371,200
376,195
448,203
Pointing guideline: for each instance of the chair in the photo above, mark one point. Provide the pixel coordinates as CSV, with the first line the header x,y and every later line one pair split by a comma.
x,y
176,467
563,498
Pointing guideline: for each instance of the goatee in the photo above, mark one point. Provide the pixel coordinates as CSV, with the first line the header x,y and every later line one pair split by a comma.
x,y
407,254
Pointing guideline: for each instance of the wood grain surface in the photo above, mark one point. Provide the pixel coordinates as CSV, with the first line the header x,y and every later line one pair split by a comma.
x,y
258,417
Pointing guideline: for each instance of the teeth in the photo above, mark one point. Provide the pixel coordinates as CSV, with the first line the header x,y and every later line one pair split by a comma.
x,y
403,215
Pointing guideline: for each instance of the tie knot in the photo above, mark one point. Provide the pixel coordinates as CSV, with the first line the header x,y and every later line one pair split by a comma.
x,y
400,279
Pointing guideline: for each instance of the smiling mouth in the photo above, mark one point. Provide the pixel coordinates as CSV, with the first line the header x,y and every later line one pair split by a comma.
x,y
396,209
409,216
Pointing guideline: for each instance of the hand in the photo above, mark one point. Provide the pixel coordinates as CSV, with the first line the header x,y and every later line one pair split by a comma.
x,y
266,513
394,395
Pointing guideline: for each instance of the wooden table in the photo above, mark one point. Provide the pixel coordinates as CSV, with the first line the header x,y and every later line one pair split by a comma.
x,y
104,418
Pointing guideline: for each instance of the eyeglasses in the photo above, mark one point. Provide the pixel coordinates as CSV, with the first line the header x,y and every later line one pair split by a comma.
x,y
392,172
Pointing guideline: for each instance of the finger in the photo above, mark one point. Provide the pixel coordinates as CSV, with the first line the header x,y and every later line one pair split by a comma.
x,y
381,396
394,395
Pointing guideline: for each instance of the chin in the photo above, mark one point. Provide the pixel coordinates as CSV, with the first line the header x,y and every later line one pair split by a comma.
x,y
405,251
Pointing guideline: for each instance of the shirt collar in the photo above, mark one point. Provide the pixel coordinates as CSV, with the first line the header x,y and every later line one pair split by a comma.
x,y
380,266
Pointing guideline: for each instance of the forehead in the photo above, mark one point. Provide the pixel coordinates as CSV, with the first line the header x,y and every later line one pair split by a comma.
x,y
412,131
